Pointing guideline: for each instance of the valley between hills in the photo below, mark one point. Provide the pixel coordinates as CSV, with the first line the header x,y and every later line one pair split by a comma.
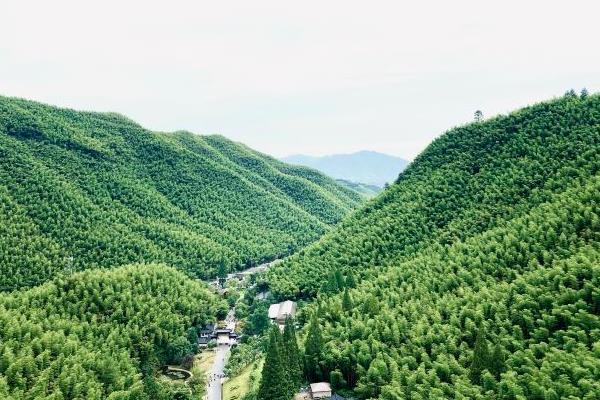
x,y
474,275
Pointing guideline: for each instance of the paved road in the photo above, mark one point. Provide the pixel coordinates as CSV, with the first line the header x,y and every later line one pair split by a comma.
x,y
217,373
213,390
214,379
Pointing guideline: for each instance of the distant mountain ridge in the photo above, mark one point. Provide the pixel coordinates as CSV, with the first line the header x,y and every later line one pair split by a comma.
x,y
369,167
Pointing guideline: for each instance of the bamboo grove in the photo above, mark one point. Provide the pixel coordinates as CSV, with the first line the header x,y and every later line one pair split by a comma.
x,y
105,228
477,272
81,190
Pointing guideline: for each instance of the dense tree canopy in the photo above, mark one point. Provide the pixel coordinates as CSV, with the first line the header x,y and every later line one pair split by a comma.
x,y
99,333
467,181
81,190
477,273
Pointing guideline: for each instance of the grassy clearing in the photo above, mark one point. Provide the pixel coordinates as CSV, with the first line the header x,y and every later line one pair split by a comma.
x,y
203,362
237,387
202,365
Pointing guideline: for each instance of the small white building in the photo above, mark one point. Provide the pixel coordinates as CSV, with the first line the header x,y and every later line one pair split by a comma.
x,y
279,312
320,390
225,336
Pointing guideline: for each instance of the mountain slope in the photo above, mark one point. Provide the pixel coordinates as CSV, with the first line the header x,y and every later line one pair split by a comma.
x,y
368,167
478,269
83,190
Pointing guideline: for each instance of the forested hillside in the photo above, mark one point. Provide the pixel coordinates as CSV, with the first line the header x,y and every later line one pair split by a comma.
x,y
477,271
100,334
82,190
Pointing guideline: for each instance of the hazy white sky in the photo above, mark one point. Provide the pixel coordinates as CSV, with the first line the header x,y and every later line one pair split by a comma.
x,y
306,76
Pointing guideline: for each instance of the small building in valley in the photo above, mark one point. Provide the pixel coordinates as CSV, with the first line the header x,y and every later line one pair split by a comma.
x,y
279,312
222,335
320,390
226,336
206,334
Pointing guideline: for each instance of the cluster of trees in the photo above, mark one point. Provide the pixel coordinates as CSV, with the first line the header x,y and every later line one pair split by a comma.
x,y
245,353
282,372
477,273
421,329
101,333
81,190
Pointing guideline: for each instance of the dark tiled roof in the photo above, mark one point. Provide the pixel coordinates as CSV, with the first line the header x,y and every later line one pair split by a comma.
x,y
204,340
208,329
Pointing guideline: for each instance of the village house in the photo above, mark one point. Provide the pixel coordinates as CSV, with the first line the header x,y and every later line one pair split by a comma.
x,y
307,395
225,336
320,390
221,335
205,335
279,312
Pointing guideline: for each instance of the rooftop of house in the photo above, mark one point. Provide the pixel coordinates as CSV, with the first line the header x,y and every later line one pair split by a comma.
x,y
320,387
282,310
204,340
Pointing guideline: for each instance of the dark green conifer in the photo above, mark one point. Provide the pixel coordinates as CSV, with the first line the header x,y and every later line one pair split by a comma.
x,y
294,359
497,361
347,301
273,384
584,93
481,356
350,282
312,351
339,279
331,285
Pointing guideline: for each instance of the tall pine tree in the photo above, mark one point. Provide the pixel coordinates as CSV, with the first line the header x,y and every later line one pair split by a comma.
x,y
293,354
497,363
274,383
347,301
481,356
350,282
339,279
312,351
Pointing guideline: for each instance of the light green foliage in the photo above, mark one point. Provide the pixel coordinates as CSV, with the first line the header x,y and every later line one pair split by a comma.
x,y
245,353
466,182
99,332
495,225
82,190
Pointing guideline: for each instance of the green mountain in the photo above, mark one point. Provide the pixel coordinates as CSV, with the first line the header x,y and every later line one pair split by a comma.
x,y
477,273
364,167
83,190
